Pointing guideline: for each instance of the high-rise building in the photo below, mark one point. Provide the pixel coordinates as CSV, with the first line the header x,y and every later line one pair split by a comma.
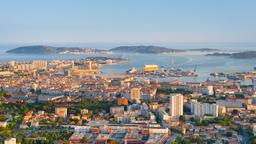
x,y
61,112
210,90
12,63
135,94
254,86
40,64
202,109
24,67
176,105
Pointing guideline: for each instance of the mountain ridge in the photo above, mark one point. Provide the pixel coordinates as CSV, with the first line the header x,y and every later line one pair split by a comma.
x,y
156,49
144,49
237,55
44,49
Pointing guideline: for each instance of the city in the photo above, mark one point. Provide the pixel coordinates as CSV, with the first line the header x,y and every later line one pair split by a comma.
x,y
69,102
127,72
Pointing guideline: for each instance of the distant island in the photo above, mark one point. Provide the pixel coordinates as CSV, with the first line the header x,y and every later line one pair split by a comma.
x,y
204,49
156,49
239,55
144,49
42,49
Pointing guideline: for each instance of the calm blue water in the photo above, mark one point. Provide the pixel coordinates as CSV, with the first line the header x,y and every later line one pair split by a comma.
x,y
187,61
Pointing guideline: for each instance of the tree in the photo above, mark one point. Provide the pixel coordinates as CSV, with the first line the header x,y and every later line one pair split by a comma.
x,y
253,140
241,96
239,130
112,142
229,134
3,94
235,112
177,140
60,120
205,123
250,131
186,141
182,118
84,139
225,121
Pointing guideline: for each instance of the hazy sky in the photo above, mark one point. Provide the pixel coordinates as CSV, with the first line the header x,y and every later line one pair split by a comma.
x,y
127,21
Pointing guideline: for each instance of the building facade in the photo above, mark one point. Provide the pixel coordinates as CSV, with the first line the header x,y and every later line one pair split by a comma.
x,y
61,112
135,94
202,109
176,105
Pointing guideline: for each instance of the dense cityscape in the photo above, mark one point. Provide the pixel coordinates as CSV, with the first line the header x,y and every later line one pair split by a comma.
x,y
71,101
127,72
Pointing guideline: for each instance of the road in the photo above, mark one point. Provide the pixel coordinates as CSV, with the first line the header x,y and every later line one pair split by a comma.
x,y
172,138
246,137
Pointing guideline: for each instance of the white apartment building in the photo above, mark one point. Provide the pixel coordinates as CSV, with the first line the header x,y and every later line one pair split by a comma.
x,y
176,105
202,109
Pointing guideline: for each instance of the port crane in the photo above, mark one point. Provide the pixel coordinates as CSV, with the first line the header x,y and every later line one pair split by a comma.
x,y
195,68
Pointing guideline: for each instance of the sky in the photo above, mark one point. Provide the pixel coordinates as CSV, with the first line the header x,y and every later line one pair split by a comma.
x,y
132,21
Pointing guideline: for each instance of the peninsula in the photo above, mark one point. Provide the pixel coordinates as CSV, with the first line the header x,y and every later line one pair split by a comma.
x,y
238,55
42,49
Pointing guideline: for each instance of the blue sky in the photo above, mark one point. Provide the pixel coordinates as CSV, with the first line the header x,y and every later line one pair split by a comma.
x,y
117,21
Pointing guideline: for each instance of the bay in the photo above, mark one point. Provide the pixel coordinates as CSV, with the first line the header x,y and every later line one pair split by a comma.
x,y
187,61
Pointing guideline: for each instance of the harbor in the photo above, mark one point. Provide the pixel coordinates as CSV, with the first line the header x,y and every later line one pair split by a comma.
x,y
154,71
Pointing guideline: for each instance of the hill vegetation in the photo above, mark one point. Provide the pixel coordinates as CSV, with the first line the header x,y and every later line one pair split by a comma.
x,y
41,49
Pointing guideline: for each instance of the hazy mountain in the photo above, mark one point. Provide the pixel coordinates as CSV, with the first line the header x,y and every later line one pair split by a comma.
x,y
204,49
41,49
144,49
239,55
156,49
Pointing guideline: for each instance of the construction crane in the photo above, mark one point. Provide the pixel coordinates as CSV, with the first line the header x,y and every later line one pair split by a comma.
x,y
195,68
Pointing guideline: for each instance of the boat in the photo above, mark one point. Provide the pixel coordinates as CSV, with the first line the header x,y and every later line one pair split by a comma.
x,y
233,77
131,71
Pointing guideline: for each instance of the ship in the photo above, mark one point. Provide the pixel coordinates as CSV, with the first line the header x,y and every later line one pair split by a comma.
x,y
131,71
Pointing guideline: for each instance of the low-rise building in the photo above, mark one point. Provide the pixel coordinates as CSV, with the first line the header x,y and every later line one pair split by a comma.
x,y
163,115
61,112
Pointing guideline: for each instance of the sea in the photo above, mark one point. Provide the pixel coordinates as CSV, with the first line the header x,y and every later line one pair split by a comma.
x,y
204,65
